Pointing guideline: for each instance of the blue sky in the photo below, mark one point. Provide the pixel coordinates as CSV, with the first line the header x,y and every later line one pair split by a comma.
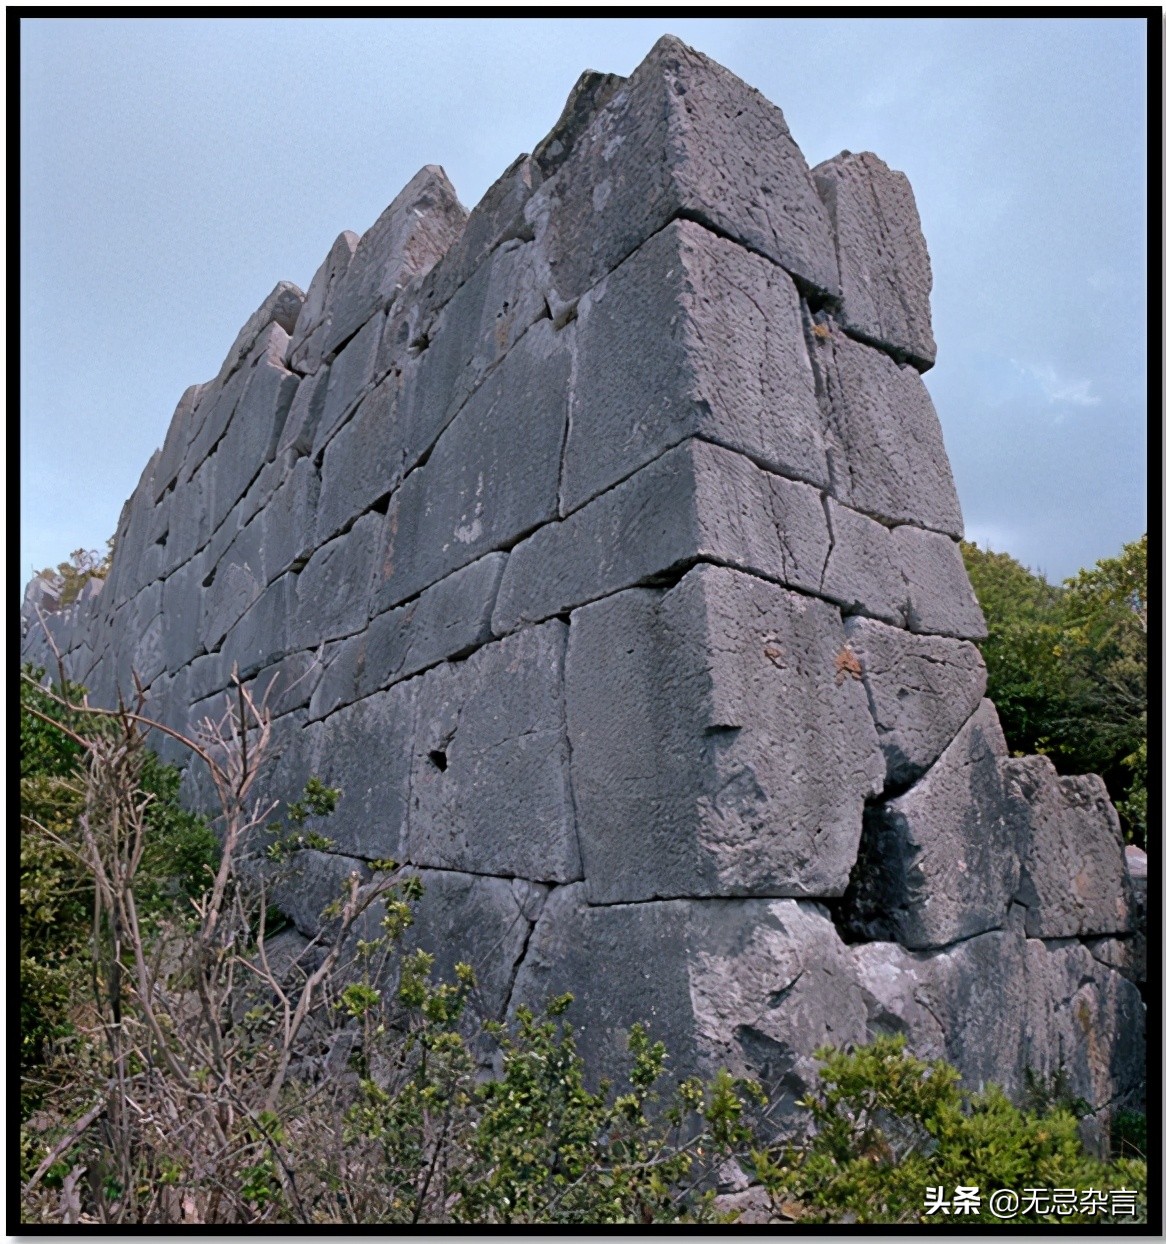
x,y
173,170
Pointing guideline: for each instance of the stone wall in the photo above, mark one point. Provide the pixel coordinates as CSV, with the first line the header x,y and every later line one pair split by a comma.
x,y
601,545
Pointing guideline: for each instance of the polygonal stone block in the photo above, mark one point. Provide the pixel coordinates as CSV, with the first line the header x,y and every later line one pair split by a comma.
x,y
941,862
690,336
409,236
883,265
492,476
332,592
683,136
887,446
751,985
696,501
306,348
1073,881
721,742
490,785
940,600
922,688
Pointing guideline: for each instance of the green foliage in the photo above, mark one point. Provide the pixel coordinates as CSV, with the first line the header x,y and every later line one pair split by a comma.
x,y
888,1127
70,576
1067,667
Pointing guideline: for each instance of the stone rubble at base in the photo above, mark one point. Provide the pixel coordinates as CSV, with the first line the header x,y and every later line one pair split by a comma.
x,y
601,545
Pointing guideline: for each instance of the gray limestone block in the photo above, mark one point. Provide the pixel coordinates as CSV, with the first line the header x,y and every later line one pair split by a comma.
x,y
239,577
862,573
305,887
497,218
697,501
366,750
182,594
940,862
492,477
306,348
1073,880
591,91
490,789
752,985
921,688
940,600
888,456
190,516
282,308
448,620
303,417
265,485
212,415
482,921
1126,955
205,676
332,593
352,374
261,636
250,441
358,469
409,236
721,742
148,635
177,436
288,684
690,336
291,521
683,136
1087,1022
883,265
965,1004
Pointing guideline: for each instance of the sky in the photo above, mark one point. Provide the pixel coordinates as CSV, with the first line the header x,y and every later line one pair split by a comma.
x,y
172,170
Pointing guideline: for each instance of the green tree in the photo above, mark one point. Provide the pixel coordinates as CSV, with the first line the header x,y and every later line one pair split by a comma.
x,y
1067,667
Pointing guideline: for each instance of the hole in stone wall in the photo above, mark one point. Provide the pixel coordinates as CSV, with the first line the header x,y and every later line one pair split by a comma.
x,y
438,760
210,577
161,540
380,505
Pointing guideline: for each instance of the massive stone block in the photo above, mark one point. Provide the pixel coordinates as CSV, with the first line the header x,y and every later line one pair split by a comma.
x,y
409,236
941,862
720,742
490,788
477,493
883,265
690,336
685,137
1073,881
753,985
940,600
886,442
922,689
697,501
306,348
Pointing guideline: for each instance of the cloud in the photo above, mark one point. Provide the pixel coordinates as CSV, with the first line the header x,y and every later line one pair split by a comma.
x,y
1059,390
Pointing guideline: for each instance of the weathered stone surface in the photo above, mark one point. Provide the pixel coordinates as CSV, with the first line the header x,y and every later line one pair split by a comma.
x,y
720,742
306,348
476,494
281,308
483,921
174,447
690,336
697,501
366,750
591,91
357,470
239,579
883,265
941,862
409,236
332,594
1085,1020
940,600
291,521
1073,880
449,619
351,376
303,416
753,985
888,458
682,136
490,786
262,635
288,684
862,573
922,688
966,1004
